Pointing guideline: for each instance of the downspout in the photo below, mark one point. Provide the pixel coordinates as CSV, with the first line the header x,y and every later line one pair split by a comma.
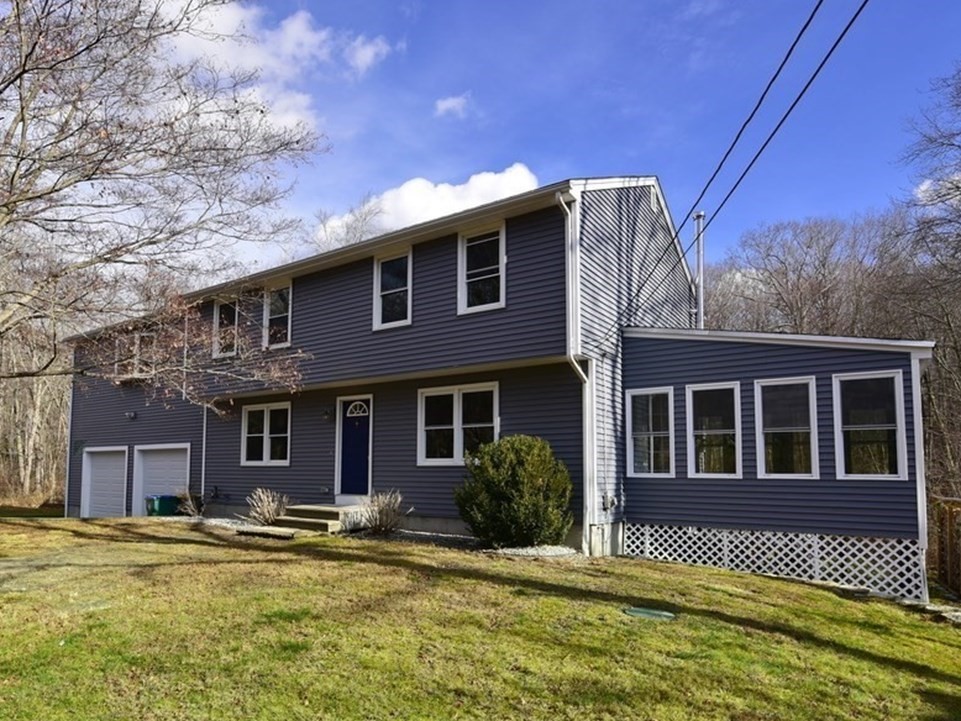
x,y
203,457
66,478
919,474
569,267
587,388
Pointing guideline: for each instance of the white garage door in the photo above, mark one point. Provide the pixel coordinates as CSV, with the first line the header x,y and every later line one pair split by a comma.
x,y
104,482
159,471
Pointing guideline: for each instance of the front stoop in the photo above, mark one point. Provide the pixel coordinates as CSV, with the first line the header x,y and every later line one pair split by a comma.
x,y
320,518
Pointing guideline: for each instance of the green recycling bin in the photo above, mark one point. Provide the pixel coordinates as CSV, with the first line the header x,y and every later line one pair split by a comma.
x,y
160,505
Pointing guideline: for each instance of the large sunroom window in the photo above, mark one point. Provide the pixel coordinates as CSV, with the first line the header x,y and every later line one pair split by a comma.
x,y
714,430
786,421
869,430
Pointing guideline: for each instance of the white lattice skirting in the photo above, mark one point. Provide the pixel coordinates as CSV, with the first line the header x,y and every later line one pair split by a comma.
x,y
893,566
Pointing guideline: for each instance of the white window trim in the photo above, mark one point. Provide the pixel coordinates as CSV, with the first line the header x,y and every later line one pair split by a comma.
x,y
377,325
266,407
462,239
457,392
738,440
216,339
811,383
265,326
669,390
900,433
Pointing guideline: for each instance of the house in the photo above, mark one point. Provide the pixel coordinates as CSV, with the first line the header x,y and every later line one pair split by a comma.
x,y
537,314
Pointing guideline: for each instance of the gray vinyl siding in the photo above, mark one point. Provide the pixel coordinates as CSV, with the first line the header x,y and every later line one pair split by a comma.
x,y
828,505
98,411
541,400
332,312
624,281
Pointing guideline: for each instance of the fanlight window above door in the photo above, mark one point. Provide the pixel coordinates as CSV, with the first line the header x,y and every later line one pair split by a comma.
x,y
357,408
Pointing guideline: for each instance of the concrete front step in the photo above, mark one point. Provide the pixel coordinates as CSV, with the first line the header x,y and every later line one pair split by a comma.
x,y
331,513
321,525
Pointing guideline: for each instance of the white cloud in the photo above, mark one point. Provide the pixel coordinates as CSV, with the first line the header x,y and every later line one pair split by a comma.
x,y
363,54
237,36
697,9
453,105
419,200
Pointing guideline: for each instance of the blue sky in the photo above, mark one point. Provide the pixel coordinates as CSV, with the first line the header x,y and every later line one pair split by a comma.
x,y
443,91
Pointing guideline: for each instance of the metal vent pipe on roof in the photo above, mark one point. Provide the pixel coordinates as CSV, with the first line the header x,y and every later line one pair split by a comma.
x,y
699,242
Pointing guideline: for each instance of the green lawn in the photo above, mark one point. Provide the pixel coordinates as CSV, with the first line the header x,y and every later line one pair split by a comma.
x,y
157,620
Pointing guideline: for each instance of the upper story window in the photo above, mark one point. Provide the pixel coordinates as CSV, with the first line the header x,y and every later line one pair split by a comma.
x,y
277,317
714,430
392,291
650,432
786,422
225,328
869,432
136,355
454,420
481,271
265,439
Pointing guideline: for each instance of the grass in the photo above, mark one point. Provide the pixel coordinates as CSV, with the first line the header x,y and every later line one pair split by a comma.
x,y
158,620
45,511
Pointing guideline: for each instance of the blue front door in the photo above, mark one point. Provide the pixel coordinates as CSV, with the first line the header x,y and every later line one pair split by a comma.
x,y
355,447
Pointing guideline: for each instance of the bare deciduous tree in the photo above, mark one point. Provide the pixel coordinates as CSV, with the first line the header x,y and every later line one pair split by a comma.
x,y
119,160
127,169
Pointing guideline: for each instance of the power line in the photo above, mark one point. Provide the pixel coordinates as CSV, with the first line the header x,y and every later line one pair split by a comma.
x,y
757,106
746,170
787,113
720,165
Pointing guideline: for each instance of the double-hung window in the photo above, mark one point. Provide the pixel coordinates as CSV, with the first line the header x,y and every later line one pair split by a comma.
x,y
452,421
868,431
481,271
266,435
392,296
786,423
225,328
650,432
714,430
277,317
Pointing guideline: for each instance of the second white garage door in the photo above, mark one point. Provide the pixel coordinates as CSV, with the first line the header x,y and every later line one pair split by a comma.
x,y
159,470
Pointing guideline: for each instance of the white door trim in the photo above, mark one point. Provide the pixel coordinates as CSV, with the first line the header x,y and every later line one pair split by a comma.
x,y
137,491
85,476
349,499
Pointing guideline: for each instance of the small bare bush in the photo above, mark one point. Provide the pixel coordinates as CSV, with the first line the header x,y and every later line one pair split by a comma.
x,y
266,506
190,505
381,512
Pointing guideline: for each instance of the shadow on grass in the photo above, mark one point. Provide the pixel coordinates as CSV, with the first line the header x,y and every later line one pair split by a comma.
x,y
948,705
379,553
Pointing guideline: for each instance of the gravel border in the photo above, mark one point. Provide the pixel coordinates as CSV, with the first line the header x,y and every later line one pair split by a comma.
x,y
536,551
